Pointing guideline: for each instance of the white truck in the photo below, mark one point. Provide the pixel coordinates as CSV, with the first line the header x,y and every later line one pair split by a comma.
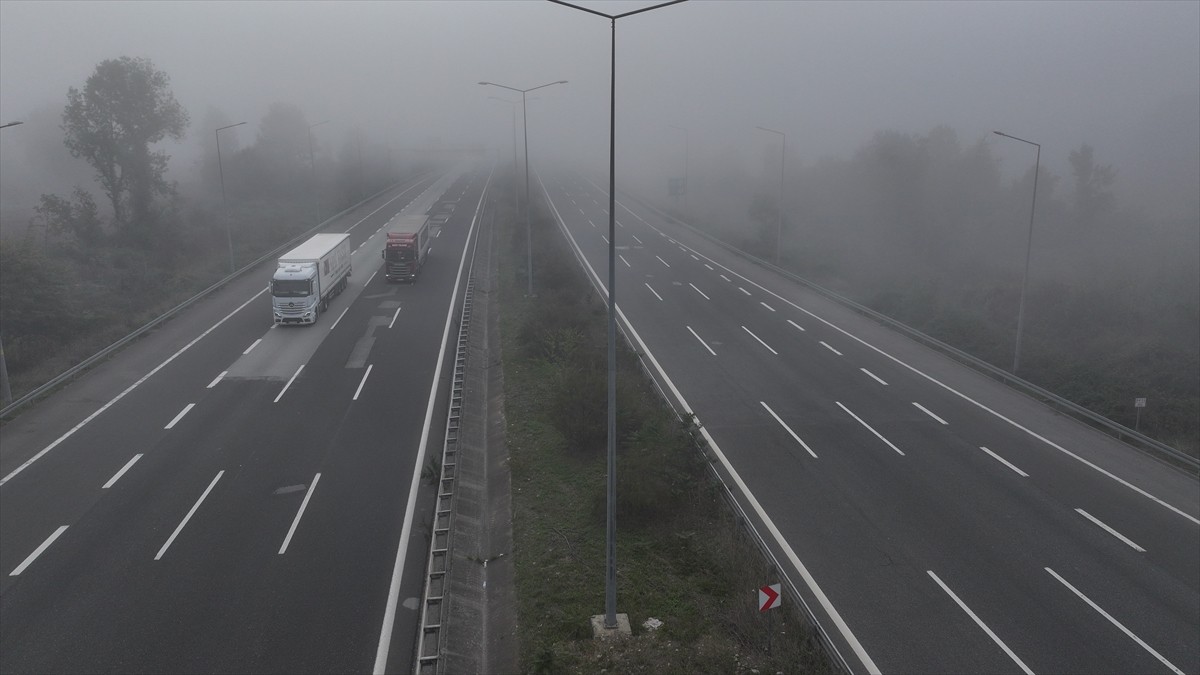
x,y
309,276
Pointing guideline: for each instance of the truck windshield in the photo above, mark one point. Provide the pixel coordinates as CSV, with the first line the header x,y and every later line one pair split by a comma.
x,y
399,254
291,288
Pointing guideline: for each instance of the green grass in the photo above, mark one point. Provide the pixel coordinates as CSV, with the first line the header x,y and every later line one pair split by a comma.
x,y
681,558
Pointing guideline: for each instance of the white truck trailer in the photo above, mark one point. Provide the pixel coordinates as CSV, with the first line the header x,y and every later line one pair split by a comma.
x,y
309,276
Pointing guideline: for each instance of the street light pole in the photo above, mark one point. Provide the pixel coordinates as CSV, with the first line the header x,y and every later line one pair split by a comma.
x,y
5,388
1028,250
685,166
525,131
362,192
516,197
224,202
610,587
312,161
779,207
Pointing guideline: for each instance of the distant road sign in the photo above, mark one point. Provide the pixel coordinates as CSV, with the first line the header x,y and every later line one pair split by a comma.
x,y
1139,403
768,597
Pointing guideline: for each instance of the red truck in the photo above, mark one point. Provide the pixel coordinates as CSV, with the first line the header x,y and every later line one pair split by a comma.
x,y
406,247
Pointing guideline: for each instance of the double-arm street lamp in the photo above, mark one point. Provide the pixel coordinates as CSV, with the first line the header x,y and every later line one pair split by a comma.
x,y
779,207
610,588
1028,249
312,161
5,389
525,132
224,202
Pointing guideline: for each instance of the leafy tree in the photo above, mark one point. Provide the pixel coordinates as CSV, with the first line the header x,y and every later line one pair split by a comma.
x,y
1093,185
78,220
125,106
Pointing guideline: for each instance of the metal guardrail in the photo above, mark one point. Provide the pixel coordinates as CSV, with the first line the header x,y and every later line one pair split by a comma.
x,y
109,350
1121,431
435,603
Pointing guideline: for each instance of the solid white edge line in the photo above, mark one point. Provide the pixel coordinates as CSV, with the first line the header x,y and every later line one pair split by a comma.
x,y
364,218
362,382
655,293
929,412
1114,622
296,521
869,428
189,515
335,323
789,429
289,383
783,544
1111,531
979,622
186,409
394,317
1005,462
252,346
710,351
947,387
128,389
826,345
393,598
796,325
873,376
698,291
217,379
760,341
38,551
117,476
663,261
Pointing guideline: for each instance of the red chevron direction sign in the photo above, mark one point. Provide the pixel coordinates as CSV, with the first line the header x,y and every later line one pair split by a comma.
x,y
768,597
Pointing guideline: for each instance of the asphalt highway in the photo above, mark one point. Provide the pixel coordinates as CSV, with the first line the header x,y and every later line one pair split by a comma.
x,y
227,495
935,520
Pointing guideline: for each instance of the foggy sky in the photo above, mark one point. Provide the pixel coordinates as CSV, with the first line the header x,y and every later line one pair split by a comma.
x,y
828,74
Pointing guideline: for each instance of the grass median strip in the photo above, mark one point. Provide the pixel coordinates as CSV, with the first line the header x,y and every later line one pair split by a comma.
x,y
687,575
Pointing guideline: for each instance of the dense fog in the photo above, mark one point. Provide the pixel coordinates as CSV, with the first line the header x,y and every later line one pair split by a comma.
x,y
894,188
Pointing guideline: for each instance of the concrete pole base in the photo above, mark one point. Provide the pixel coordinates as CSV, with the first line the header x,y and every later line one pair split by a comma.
x,y
599,631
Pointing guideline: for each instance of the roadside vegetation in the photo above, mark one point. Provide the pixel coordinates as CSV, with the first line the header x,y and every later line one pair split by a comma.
x,y
925,229
681,557
129,244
